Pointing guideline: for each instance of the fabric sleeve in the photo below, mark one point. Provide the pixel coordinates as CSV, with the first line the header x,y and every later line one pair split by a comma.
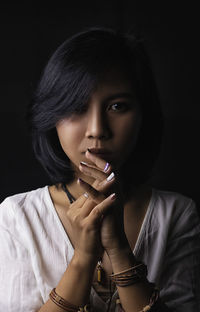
x,y
180,279
18,288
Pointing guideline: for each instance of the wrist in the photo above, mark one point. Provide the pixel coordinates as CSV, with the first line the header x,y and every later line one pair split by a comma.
x,y
119,248
121,258
78,275
85,261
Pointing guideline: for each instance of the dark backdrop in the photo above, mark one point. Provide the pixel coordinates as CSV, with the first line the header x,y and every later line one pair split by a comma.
x,y
30,32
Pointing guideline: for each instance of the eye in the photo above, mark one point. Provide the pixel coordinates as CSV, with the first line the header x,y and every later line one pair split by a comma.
x,y
119,106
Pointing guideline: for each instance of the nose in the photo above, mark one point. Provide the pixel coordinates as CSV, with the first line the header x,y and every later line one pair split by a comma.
x,y
97,126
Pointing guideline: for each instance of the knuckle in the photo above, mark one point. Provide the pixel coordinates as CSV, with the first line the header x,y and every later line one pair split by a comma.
x,y
68,214
76,219
97,212
82,224
86,226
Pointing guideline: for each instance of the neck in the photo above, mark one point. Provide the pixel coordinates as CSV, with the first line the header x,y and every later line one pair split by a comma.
x,y
75,189
131,193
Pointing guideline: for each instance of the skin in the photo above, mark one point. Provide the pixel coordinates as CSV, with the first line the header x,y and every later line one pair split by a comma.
x,y
111,124
95,224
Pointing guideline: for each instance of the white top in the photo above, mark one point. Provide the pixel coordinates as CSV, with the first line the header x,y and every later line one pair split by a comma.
x,y
35,250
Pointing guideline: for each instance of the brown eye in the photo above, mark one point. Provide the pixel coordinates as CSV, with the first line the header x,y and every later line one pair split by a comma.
x,y
119,107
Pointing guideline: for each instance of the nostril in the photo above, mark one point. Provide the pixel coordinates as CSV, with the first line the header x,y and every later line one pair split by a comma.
x,y
101,137
97,127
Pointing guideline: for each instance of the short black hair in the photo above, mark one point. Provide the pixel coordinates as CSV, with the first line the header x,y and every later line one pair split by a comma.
x,y
66,84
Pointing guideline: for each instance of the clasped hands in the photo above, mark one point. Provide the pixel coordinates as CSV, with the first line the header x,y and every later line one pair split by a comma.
x,y
97,216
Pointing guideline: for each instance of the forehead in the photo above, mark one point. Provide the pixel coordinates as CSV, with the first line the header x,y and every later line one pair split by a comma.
x,y
114,81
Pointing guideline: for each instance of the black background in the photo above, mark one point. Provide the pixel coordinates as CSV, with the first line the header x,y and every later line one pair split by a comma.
x,y
31,31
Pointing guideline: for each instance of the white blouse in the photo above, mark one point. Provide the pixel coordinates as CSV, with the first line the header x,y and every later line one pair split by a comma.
x,y
35,251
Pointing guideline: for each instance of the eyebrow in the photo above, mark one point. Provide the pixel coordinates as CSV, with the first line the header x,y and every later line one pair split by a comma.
x,y
122,94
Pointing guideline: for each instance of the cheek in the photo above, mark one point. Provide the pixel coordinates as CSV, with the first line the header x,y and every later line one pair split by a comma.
x,y
69,136
126,139
128,130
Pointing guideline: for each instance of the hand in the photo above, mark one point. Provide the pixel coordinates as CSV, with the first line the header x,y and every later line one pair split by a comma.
x,y
85,217
112,228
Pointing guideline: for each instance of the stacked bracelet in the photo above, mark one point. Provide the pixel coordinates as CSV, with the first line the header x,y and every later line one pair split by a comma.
x,y
154,298
65,305
130,276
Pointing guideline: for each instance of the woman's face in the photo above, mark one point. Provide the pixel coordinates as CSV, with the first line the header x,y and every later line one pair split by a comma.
x,y
109,124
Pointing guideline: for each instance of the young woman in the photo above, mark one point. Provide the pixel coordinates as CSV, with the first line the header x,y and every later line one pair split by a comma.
x,y
99,238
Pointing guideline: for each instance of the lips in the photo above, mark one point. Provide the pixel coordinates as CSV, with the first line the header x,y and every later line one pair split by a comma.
x,y
102,153
99,151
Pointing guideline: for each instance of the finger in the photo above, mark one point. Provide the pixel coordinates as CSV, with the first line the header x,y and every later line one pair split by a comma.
x,y
103,182
102,208
106,183
99,162
79,202
92,193
92,172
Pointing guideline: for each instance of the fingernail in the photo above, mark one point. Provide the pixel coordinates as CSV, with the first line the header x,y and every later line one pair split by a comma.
x,y
113,196
86,195
110,177
106,167
80,180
